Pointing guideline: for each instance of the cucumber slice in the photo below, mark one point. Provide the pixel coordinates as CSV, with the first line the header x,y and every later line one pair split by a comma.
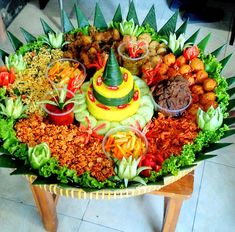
x,y
146,101
128,122
81,115
85,86
80,101
135,77
92,120
140,83
114,124
144,91
79,108
79,96
104,129
146,112
140,119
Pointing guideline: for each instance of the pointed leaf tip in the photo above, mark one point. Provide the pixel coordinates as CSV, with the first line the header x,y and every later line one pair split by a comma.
x,y
150,19
218,50
230,80
229,121
192,38
15,42
132,13
118,14
99,20
170,25
231,91
67,25
228,133
3,54
81,19
203,43
28,37
216,146
46,27
7,162
231,104
225,60
182,29
202,157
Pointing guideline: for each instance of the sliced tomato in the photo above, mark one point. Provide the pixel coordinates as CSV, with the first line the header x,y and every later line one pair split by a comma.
x,y
191,52
4,78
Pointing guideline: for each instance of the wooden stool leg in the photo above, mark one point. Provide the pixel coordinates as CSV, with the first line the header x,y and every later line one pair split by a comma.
x,y
172,209
46,204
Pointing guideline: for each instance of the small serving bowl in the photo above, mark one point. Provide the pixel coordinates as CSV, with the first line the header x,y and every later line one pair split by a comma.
x,y
58,79
132,64
124,141
171,113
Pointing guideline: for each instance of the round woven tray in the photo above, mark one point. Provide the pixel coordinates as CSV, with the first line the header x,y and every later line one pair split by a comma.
x,y
107,193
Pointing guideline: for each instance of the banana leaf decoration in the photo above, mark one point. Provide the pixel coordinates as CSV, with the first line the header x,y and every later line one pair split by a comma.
x,y
182,29
132,13
150,19
118,14
3,54
192,38
81,19
230,80
28,37
15,42
99,20
217,51
203,43
67,25
225,60
46,27
170,25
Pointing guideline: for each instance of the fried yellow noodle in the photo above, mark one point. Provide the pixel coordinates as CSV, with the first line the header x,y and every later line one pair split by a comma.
x,y
32,83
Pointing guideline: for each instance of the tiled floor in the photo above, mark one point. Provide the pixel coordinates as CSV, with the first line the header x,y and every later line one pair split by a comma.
x,y
212,207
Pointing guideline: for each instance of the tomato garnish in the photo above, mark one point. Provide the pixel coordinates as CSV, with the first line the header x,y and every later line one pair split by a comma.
x,y
191,52
6,77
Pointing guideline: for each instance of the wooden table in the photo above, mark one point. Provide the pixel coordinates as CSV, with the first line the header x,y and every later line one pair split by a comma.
x,y
174,195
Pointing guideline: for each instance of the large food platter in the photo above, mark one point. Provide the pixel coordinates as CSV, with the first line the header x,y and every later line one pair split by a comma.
x,y
132,119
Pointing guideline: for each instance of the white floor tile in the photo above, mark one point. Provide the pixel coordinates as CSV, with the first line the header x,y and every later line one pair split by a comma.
x,y
15,187
88,227
226,155
216,206
72,207
133,214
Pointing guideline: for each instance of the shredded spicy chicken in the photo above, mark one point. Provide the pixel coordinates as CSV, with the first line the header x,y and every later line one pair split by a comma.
x,y
167,136
67,145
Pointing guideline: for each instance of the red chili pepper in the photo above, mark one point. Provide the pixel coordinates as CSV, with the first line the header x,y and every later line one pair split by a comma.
x,y
125,77
75,83
151,74
191,52
153,161
112,87
100,63
135,50
91,97
122,106
99,81
103,106
136,95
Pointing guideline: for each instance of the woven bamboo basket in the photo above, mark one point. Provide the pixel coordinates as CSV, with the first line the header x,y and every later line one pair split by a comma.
x,y
107,194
